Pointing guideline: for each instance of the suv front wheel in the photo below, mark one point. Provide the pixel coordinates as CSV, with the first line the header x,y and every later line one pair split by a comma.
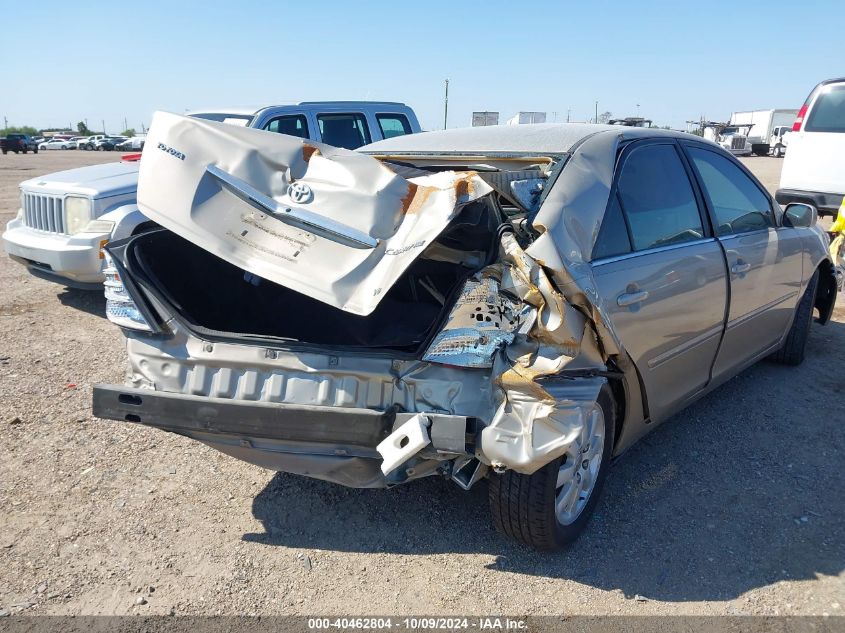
x,y
549,508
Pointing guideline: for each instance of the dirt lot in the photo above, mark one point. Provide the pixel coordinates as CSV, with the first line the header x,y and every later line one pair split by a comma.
x,y
735,506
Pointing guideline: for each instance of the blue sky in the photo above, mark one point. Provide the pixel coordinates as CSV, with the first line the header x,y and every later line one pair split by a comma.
x,y
61,62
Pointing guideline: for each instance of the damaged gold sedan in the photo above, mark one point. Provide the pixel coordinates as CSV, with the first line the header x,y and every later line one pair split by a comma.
x,y
513,303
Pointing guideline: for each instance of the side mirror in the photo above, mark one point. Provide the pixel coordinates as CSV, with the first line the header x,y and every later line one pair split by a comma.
x,y
800,215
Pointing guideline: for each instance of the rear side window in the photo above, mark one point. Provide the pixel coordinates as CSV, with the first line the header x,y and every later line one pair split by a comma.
x,y
294,125
613,236
344,130
657,198
828,113
393,125
736,200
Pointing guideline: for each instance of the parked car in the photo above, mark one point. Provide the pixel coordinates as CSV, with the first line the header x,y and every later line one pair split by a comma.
x,y
108,143
134,143
89,142
51,249
813,170
73,142
373,317
54,143
18,143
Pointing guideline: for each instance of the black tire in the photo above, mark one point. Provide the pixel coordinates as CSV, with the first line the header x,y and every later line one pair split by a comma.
x,y
35,151
792,352
523,506
25,150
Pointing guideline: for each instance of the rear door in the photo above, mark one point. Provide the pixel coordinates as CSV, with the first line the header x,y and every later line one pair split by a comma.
x,y
661,274
764,260
814,161
348,130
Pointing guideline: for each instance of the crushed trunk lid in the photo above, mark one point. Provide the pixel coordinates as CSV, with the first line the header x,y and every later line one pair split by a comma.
x,y
336,225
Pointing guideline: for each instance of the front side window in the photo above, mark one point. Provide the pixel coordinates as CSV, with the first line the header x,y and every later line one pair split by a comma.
x,y
293,125
737,202
344,130
393,125
828,113
657,198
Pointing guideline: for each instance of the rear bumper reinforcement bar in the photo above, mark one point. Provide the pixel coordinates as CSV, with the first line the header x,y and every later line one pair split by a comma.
x,y
187,414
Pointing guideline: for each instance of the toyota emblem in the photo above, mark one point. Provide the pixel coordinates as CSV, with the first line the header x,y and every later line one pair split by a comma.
x,y
300,192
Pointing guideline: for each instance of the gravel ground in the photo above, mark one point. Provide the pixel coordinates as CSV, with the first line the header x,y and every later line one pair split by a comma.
x,y
733,507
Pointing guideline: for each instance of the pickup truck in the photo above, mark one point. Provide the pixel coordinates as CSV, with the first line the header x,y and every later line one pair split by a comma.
x,y
18,143
66,218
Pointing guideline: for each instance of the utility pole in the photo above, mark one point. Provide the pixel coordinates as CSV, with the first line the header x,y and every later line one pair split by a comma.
x,y
597,113
104,125
638,110
446,106
568,112
125,124
5,123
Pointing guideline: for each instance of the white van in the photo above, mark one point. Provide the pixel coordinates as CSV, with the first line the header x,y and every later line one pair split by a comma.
x,y
814,168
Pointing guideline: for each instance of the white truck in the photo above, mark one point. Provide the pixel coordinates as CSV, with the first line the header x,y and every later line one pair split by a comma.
x,y
731,138
762,123
66,218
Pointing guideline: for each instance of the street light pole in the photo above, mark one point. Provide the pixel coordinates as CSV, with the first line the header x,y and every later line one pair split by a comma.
x,y
446,106
597,113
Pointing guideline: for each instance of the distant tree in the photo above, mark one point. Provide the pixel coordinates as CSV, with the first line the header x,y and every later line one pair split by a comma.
x,y
83,129
604,117
130,132
23,129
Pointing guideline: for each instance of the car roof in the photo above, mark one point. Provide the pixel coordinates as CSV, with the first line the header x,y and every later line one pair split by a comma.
x,y
553,138
253,110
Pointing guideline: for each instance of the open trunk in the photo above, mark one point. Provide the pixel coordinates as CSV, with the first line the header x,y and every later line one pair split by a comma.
x,y
216,297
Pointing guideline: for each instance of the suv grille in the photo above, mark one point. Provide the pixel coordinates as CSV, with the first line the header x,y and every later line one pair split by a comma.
x,y
44,212
738,142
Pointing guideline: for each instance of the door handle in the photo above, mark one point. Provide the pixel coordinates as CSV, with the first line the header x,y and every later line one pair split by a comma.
x,y
740,267
630,298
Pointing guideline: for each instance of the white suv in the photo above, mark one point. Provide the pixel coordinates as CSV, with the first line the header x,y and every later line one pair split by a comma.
x,y
814,169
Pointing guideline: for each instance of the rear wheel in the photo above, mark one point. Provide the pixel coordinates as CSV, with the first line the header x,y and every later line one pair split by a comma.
x,y
549,508
792,352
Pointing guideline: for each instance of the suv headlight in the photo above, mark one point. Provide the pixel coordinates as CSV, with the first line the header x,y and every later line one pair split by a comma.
x,y
77,214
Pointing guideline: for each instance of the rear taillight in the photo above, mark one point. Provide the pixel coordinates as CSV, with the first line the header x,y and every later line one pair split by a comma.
x,y
799,120
121,309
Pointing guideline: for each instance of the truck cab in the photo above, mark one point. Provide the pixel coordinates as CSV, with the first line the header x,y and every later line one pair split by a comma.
x,y
779,140
66,218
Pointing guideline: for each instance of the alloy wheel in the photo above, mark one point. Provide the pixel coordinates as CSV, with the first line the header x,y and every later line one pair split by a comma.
x,y
579,469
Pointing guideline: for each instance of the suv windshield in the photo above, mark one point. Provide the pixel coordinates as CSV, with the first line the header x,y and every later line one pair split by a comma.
x,y
828,113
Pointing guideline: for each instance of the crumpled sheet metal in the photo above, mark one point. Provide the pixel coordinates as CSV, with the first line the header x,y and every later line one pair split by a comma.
x,y
482,321
531,426
356,190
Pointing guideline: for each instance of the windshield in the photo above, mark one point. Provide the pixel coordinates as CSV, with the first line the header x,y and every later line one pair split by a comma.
x,y
242,120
